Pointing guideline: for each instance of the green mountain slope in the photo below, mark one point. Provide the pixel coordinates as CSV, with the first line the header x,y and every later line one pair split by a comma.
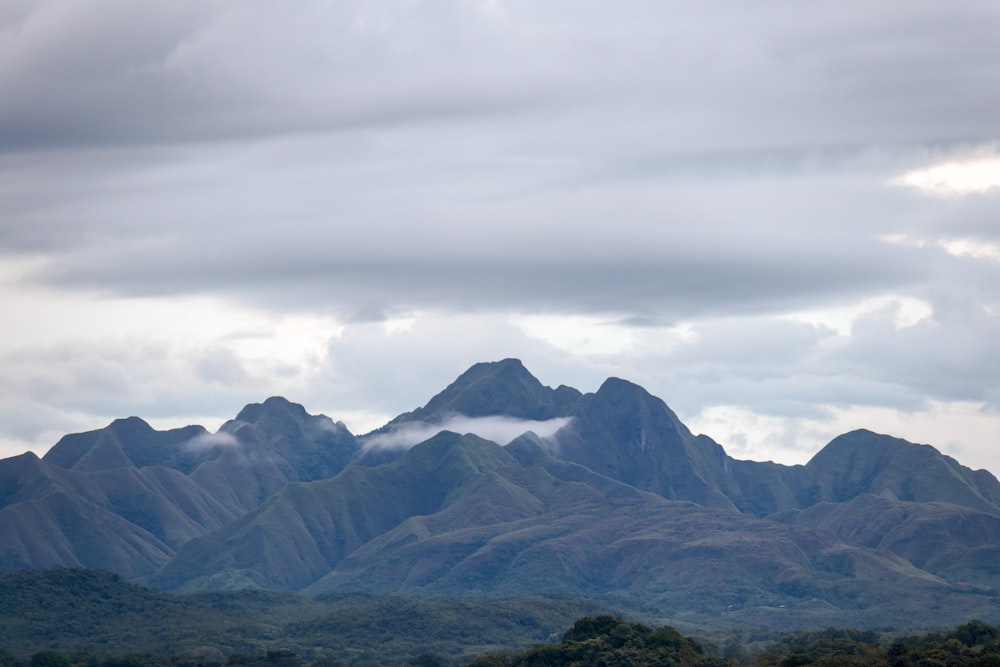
x,y
303,530
123,519
957,543
126,497
59,529
864,462
625,433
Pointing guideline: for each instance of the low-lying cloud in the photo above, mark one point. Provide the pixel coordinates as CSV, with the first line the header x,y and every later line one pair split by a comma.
x,y
498,429
207,441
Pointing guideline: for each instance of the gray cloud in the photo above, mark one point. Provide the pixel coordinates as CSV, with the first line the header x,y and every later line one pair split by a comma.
x,y
634,251
670,174
211,70
708,165
956,356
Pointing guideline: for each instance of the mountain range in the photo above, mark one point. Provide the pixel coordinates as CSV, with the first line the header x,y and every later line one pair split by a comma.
x,y
542,491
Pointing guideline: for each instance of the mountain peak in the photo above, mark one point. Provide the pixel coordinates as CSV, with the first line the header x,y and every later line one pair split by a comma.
x,y
275,406
498,388
506,371
624,432
125,442
866,462
614,386
460,454
283,438
867,448
130,425
508,365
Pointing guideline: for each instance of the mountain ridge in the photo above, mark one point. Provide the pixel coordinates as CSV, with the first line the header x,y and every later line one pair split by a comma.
x,y
623,499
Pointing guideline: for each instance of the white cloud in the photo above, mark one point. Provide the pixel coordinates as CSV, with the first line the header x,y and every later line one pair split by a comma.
x,y
964,176
577,334
207,441
362,421
399,324
906,311
498,429
746,434
972,248
955,246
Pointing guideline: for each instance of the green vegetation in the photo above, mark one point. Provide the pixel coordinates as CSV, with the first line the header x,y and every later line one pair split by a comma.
x,y
400,626
89,613
610,641
82,618
973,643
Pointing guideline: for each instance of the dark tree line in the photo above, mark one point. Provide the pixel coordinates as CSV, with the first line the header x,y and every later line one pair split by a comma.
x,y
974,643
611,642
606,641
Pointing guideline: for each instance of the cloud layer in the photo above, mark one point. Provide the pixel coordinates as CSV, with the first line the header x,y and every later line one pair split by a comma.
x,y
781,219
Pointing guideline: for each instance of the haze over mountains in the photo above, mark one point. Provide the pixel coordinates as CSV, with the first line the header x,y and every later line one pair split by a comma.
x,y
613,496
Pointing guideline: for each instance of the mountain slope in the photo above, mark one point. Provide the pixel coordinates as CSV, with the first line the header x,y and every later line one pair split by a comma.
x,y
625,433
126,497
268,445
956,543
59,529
680,558
302,531
122,519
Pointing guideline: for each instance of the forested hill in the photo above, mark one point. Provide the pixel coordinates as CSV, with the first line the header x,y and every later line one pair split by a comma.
x,y
611,641
80,618
96,614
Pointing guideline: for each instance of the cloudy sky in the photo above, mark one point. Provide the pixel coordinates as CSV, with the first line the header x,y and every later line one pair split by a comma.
x,y
781,217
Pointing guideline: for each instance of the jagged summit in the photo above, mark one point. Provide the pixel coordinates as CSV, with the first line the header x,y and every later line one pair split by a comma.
x,y
296,444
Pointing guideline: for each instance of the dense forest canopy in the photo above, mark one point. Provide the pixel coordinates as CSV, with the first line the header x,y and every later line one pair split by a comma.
x,y
107,622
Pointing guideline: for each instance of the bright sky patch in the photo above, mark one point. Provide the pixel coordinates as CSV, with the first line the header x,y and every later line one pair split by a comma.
x,y
957,177
576,334
905,312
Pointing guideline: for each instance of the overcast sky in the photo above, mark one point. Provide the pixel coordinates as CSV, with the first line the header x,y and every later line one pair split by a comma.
x,y
781,217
